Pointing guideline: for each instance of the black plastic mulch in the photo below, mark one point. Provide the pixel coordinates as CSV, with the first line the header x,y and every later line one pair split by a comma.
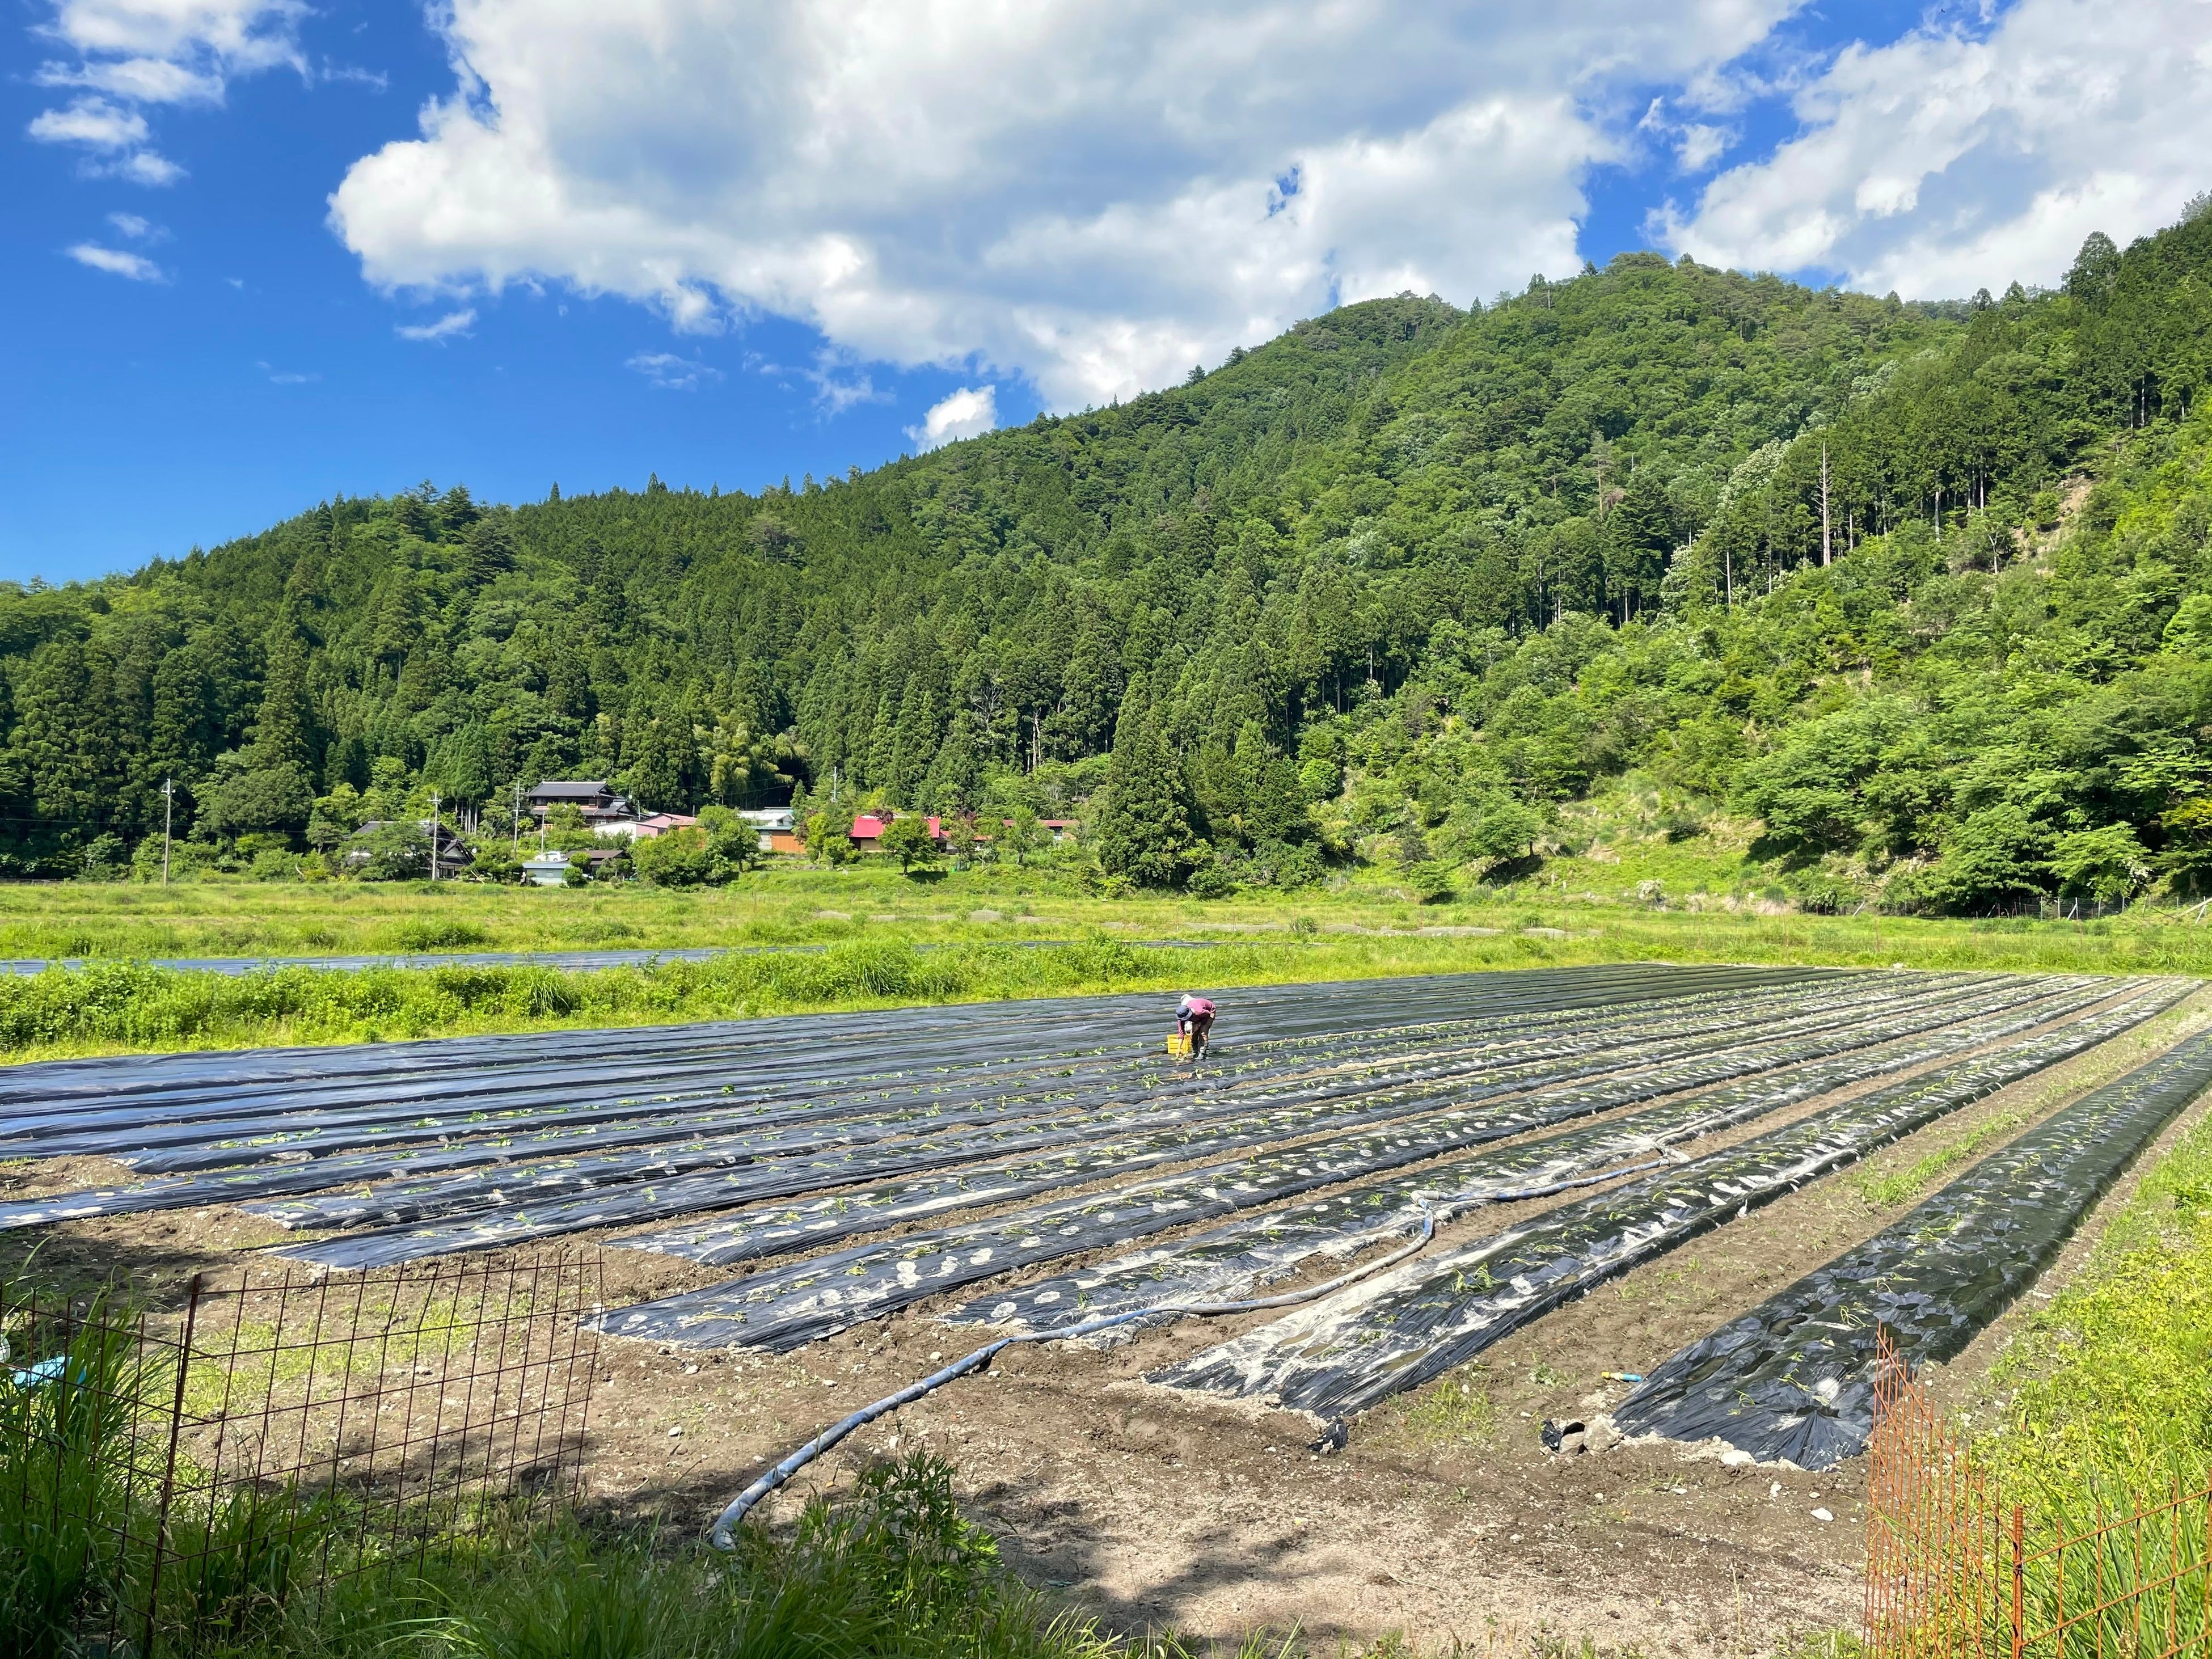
x,y
1793,1379
1415,1321
1236,1259
782,1307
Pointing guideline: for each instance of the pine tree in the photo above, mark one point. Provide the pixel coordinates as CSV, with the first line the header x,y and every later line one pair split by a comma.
x,y
488,552
63,738
1144,827
913,743
282,731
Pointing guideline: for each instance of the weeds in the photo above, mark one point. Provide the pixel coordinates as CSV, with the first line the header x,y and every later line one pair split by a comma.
x,y
1881,1190
1457,1408
2109,1381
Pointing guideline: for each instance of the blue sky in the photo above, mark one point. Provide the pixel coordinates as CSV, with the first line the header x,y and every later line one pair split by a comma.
x,y
731,243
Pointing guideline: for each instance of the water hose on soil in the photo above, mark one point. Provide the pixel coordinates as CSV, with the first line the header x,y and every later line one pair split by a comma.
x,y
722,1534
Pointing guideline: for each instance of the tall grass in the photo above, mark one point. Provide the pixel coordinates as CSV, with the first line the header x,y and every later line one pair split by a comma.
x,y
83,1463
66,1443
116,1007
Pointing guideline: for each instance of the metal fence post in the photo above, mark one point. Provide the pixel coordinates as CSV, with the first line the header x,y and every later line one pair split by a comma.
x,y
2019,1584
169,1466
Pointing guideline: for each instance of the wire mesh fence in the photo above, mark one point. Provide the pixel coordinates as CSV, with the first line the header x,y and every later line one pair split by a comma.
x,y
1956,1571
171,1475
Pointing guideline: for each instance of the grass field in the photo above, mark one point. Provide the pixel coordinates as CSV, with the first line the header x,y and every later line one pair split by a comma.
x,y
885,940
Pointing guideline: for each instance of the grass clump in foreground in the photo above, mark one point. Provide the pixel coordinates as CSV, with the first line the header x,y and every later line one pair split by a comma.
x,y
893,1568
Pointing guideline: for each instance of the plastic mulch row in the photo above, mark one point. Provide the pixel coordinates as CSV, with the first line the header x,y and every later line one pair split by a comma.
x,y
462,1135
1078,1153
1416,1321
781,1309
1793,1379
1237,1260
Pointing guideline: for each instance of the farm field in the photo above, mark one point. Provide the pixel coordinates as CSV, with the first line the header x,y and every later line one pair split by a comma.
x,y
808,939
1621,1161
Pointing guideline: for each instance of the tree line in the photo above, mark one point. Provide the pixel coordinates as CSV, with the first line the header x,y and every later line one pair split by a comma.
x,y
1405,571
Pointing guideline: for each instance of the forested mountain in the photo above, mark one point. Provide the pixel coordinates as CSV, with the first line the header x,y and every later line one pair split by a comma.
x,y
1922,586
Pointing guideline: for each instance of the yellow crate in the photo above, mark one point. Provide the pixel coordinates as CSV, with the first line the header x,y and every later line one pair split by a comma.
x,y
1178,1044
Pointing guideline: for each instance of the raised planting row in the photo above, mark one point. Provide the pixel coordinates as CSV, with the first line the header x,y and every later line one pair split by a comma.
x,y
1237,1260
1413,1322
1793,1379
779,1308
1066,1104
300,1120
1435,1071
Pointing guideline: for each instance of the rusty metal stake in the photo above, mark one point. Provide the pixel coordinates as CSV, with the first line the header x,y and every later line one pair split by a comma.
x,y
169,1467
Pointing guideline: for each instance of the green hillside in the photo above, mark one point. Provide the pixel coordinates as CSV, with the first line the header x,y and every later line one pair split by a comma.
x,y
1917,587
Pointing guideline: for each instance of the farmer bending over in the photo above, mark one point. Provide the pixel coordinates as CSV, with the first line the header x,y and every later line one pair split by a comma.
x,y
1194,1020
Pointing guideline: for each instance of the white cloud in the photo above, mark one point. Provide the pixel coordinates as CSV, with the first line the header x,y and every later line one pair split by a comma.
x,y
671,373
1699,144
452,323
143,167
287,377
106,129
1084,192
968,413
231,35
139,80
1949,161
135,52
840,385
136,228
93,122
121,263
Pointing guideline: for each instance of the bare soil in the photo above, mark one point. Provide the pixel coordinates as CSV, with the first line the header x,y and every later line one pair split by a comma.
x,y
1443,1520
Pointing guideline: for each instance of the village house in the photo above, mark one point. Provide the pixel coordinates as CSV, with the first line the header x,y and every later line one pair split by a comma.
x,y
776,829
604,810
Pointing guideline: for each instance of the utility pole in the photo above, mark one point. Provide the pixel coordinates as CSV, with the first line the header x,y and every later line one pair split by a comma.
x,y
517,848
1824,500
434,834
168,809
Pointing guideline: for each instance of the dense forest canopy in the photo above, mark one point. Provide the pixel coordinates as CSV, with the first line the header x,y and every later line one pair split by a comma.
x,y
1923,587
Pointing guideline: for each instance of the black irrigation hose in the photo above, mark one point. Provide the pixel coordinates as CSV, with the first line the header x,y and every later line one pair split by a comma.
x,y
1792,1379
1292,1114
722,1534
1255,1250
1403,1330
785,1307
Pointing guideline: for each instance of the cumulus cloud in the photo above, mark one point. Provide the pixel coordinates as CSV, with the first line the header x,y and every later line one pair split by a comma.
x,y
131,53
1950,160
968,413
452,323
136,228
671,373
1094,195
119,261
